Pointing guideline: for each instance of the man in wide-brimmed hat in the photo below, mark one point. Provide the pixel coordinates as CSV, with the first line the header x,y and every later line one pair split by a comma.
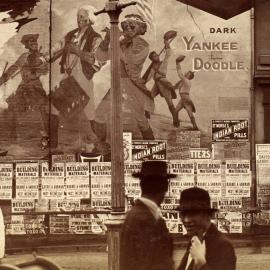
x,y
208,249
146,243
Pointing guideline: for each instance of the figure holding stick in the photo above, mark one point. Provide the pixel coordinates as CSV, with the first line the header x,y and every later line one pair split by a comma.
x,y
162,85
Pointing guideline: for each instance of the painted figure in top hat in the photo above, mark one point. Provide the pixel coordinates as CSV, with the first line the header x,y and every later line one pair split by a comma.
x,y
145,242
30,94
208,248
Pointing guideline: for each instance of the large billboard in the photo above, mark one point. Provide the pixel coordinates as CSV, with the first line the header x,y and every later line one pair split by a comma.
x,y
161,99
185,80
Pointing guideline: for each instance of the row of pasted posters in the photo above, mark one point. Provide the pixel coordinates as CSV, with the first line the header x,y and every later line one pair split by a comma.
x,y
51,92
228,221
66,187
190,171
82,180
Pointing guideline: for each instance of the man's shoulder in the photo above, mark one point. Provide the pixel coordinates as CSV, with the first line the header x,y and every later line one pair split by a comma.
x,y
91,32
139,209
72,32
140,41
69,36
224,240
25,54
139,213
218,238
23,58
139,220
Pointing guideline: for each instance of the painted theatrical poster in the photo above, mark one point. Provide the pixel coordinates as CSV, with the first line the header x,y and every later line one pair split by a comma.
x,y
181,69
185,80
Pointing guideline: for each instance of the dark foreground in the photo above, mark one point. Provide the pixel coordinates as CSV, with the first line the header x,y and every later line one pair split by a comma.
x,y
248,259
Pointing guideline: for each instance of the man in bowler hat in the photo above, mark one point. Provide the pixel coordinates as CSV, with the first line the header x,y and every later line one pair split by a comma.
x,y
146,243
208,248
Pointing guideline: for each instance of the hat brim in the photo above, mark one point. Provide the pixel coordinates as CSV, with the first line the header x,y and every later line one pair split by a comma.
x,y
25,39
179,208
180,58
140,175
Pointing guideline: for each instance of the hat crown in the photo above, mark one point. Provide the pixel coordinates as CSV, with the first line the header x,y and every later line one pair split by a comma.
x,y
27,37
195,199
154,168
134,17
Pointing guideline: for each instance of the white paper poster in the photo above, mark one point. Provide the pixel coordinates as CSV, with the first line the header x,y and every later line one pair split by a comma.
x,y
77,180
100,184
16,226
65,205
209,177
34,224
59,224
262,173
22,206
229,204
230,222
184,170
132,184
53,181
173,222
6,173
238,178
27,180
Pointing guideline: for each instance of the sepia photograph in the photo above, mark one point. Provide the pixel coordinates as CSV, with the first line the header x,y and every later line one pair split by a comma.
x,y
134,134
